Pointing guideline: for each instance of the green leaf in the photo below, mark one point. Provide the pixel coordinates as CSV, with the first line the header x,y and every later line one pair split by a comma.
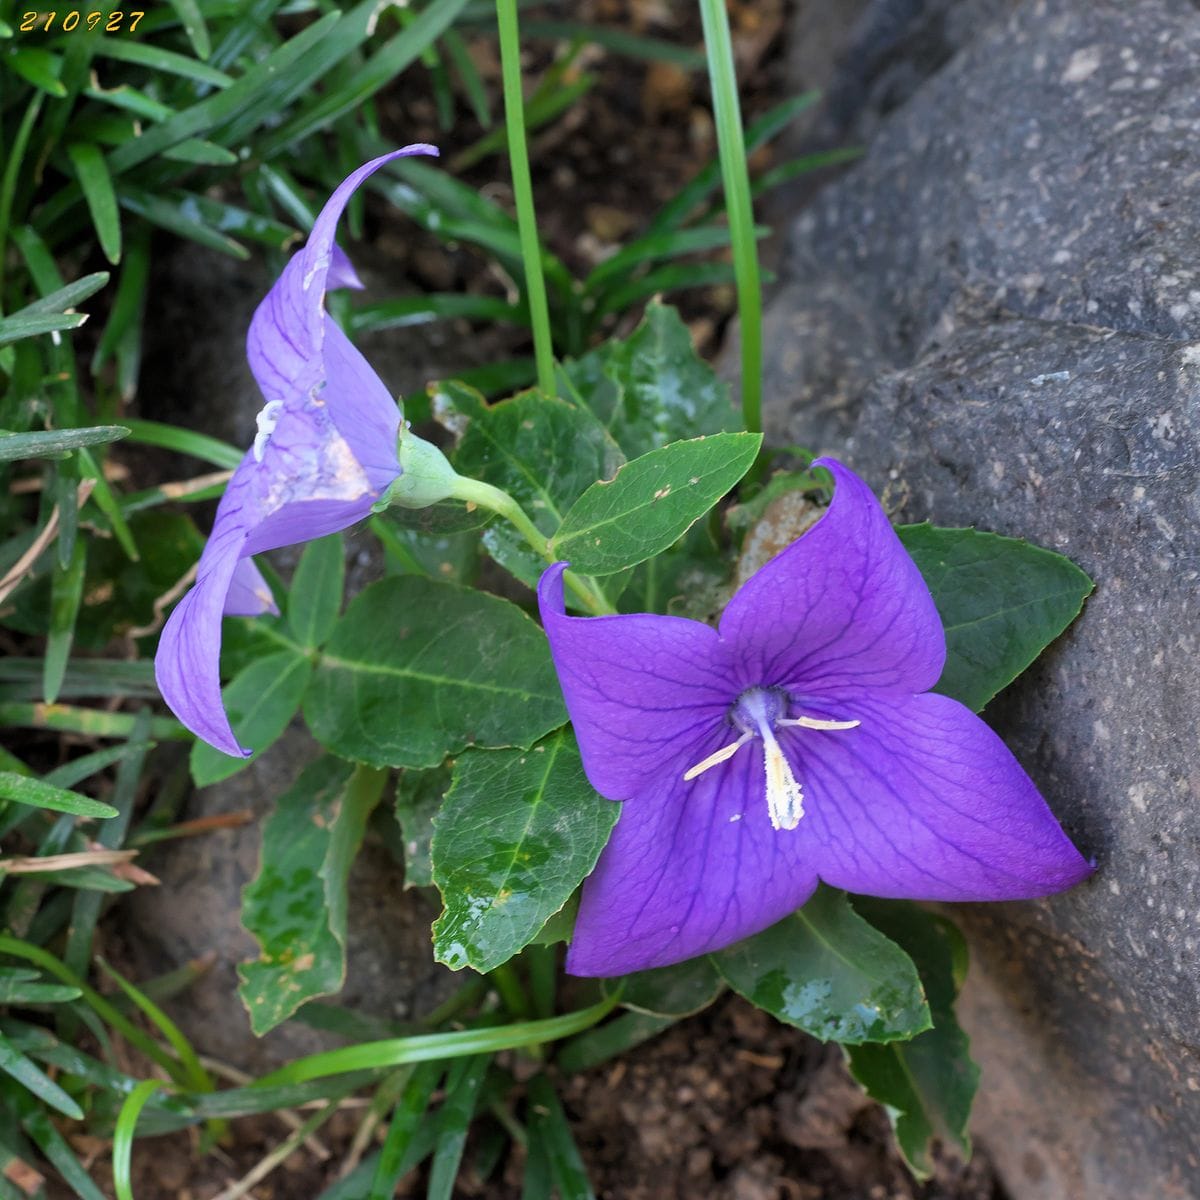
x,y
676,991
1001,600
53,442
463,1083
367,77
651,502
25,1072
296,905
92,172
66,594
417,670
418,800
653,388
927,1085
192,20
827,971
550,1129
261,700
33,792
595,1046
517,834
21,985
545,453
316,592
40,67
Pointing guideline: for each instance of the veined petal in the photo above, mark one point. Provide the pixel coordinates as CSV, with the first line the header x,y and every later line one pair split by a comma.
x,y
187,664
248,595
360,407
288,328
924,801
642,690
842,609
690,867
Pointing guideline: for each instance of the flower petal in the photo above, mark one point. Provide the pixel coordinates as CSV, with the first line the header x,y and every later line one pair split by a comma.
x,y
360,407
924,801
690,867
249,594
187,664
843,608
642,690
288,328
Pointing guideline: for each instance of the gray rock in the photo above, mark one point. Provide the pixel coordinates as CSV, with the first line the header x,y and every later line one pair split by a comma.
x,y
1016,254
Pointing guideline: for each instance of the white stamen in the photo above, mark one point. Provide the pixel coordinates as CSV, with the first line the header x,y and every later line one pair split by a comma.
x,y
785,799
266,421
817,723
726,752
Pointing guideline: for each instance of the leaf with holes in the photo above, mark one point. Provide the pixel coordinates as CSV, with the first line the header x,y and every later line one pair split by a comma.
x,y
296,905
651,502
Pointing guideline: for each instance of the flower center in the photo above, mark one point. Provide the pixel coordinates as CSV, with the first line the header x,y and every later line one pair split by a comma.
x,y
266,421
758,712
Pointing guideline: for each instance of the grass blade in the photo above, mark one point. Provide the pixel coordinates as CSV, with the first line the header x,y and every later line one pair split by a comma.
x,y
20,789
122,1150
92,173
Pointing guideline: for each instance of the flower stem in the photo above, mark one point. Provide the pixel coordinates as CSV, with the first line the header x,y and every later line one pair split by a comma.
x,y
475,491
736,179
518,154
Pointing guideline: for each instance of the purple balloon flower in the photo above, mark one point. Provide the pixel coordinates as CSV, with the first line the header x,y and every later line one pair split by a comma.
x,y
324,453
792,744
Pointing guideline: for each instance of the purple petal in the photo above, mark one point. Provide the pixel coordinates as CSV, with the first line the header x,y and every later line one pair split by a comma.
x,y
924,801
249,594
187,664
690,867
360,407
641,690
288,328
843,608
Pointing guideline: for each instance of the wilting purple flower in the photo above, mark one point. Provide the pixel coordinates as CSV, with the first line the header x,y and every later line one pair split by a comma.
x,y
324,453
790,745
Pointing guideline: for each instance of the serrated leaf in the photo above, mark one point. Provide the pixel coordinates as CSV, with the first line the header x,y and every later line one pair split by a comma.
x,y
260,700
418,670
653,388
675,991
1001,600
545,452
418,800
20,789
316,592
517,834
927,1085
651,502
827,971
295,907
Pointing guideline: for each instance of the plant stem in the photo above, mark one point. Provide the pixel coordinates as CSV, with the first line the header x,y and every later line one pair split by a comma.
x,y
475,491
518,154
736,178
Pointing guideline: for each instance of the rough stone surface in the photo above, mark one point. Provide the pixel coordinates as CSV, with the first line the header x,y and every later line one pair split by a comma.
x,y
1012,269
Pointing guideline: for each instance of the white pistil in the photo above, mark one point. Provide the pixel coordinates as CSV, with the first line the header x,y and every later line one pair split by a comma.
x,y
720,756
266,421
755,714
785,800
